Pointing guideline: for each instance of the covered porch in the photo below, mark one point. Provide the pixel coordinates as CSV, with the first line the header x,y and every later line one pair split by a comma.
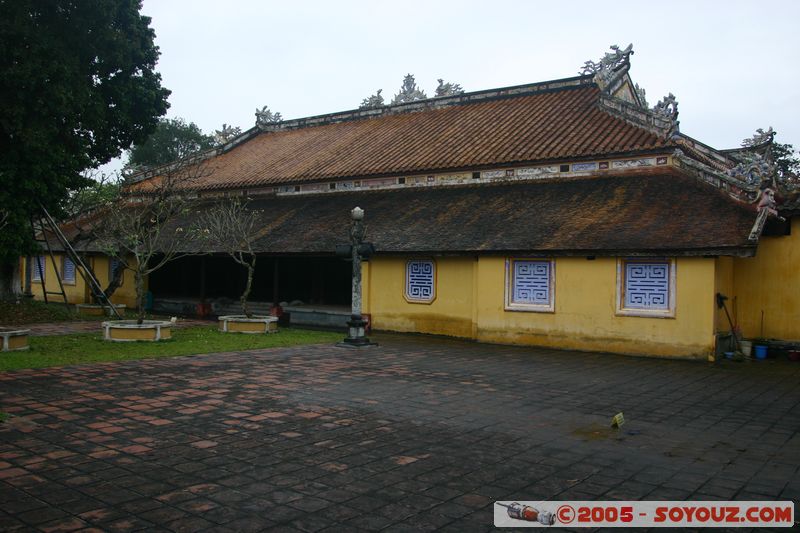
x,y
313,290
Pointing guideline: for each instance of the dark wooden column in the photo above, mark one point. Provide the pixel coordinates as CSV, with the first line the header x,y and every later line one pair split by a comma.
x,y
275,282
203,278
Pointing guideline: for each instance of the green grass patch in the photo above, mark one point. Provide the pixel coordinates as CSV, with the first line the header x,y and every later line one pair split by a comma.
x,y
60,350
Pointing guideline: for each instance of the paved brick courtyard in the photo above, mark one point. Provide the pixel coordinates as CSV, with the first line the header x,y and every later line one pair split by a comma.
x,y
415,435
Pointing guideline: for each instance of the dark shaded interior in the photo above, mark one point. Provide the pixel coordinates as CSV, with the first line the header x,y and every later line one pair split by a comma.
x,y
313,280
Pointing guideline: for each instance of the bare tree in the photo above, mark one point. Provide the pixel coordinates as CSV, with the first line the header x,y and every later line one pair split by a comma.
x,y
3,218
231,227
142,228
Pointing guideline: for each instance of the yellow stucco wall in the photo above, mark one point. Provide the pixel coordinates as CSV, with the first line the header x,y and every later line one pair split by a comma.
x,y
470,303
723,282
126,293
770,283
585,311
77,292
449,314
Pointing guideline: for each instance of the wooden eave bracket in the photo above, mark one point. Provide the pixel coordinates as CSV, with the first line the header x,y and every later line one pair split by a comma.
x,y
736,189
758,226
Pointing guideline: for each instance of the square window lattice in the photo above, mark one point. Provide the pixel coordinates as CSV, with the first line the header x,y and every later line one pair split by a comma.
x,y
647,285
532,282
69,270
38,267
419,280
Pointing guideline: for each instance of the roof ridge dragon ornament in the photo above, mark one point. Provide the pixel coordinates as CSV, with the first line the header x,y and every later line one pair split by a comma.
x,y
756,166
760,137
752,167
374,101
668,107
609,63
265,117
226,134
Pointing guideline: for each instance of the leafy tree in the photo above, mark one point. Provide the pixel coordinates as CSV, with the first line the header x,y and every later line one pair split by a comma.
x,y
79,85
787,163
173,139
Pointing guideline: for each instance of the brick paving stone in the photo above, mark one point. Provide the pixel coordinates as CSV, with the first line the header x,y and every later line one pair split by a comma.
x,y
418,434
312,523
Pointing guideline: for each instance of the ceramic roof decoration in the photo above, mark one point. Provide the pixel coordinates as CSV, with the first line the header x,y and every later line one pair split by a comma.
x,y
596,125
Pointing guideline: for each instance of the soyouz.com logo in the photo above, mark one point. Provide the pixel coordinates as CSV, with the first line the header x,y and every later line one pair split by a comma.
x,y
644,514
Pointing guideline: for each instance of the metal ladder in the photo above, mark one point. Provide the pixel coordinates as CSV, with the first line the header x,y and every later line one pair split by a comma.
x,y
48,224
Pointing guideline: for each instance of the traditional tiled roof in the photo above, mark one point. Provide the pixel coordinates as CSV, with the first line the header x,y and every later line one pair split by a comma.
x,y
663,213
537,123
655,212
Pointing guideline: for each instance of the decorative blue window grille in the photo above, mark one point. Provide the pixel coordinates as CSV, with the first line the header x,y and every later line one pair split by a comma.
x,y
531,283
647,285
420,281
38,269
68,271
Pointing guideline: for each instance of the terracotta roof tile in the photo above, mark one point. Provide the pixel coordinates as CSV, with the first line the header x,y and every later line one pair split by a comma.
x,y
658,213
538,127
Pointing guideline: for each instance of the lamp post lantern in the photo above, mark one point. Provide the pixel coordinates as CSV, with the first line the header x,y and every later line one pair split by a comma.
x,y
356,325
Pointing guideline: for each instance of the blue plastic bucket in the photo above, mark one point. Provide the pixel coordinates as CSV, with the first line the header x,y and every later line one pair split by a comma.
x,y
761,351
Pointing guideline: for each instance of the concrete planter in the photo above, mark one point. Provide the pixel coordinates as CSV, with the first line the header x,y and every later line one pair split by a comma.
x,y
12,340
130,331
243,324
98,310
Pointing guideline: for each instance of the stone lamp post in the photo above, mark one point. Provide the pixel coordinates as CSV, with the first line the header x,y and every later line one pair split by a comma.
x,y
358,249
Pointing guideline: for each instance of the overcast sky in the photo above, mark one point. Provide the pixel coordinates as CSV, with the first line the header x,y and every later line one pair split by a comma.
x,y
733,65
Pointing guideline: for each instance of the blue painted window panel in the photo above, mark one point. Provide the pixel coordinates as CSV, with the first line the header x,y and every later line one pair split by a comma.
x,y
420,280
113,265
647,285
38,267
68,274
531,282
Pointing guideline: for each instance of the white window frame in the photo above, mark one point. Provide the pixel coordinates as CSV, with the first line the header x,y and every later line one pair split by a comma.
x,y
64,278
38,262
511,305
669,312
411,299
